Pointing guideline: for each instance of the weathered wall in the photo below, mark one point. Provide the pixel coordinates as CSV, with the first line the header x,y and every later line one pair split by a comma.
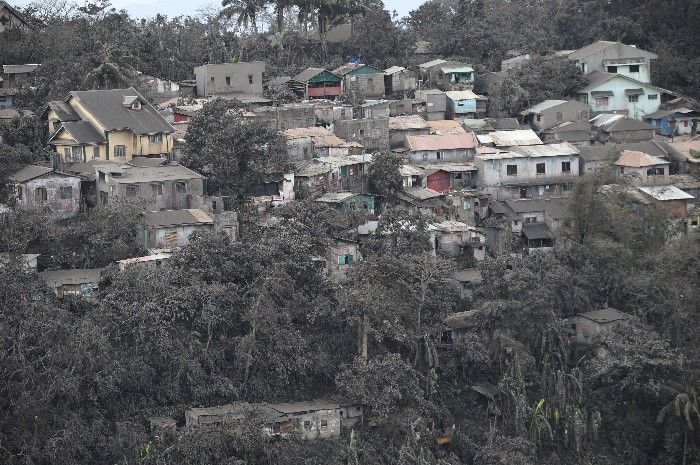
x,y
372,133
54,205
238,73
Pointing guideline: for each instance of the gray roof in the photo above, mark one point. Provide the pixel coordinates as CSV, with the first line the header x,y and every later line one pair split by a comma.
x,y
83,132
542,106
335,197
64,111
605,315
158,173
148,161
537,231
167,218
19,69
29,172
554,206
71,277
107,106
600,45
615,123
307,74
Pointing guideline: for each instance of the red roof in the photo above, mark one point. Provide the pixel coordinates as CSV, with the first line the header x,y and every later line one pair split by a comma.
x,y
441,142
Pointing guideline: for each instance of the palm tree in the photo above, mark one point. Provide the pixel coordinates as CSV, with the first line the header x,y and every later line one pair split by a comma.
x,y
539,424
684,406
115,70
246,12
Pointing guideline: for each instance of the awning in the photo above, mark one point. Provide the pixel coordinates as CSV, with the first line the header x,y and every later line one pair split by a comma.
x,y
602,93
634,91
537,231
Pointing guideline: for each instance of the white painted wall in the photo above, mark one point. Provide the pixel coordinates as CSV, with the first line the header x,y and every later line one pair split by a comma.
x,y
619,102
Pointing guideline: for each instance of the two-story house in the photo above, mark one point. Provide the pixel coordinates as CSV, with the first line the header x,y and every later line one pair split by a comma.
x,y
551,113
116,124
617,93
243,78
441,147
10,78
528,171
643,169
45,191
465,103
614,57
163,187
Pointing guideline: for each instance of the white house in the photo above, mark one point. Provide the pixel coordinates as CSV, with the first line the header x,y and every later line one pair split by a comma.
x,y
528,171
614,57
616,93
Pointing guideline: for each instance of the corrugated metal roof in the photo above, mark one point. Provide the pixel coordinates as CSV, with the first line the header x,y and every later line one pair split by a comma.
x,y
537,231
511,138
106,106
634,159
457,95
166,218
590,49
335,197
20,69
441,142
664,193
605,315
160,173
71,277
63,111
422,193
403,123
29,172
542,106
316,75
548,150
83,132
321,137
393,70
456,69
449,167
430,64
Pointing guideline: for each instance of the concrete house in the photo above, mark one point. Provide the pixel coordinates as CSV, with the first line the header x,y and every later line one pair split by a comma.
x,y
46,191
620,129
82,283
398,79
675,122
10,78
643,169
340,255
585,326
552,113
402,126
161,187
441,147
314,142
334,173
614,57
435,104
172,228
454,238
503,140
529,171
574,132
348,201
10,18
372,133
465,103
286,116
230,79
319,83
116,124
617,93
670,199
361,80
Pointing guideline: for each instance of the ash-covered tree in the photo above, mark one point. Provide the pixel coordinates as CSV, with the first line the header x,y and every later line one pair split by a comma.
x,y
384,177
233,152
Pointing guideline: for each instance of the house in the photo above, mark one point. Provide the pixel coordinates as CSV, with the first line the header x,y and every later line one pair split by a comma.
x,y
157,90
621,128
442,177
348,201
172,228
528,171
687,183
372,133
643,169
466,281
116,124
574,132
241,79
29,261
273,190
454,239
286,116
46,191
328,112
686,154
340,254
506,139
374,108
168,186
402,126
670,199
465,103
10,17
469,205
675,122
598,157
435,103
155,259
361,81
537,237
514,62
399,80
445,126
319,83
334,173
11,77
428,202
458,325
314,142
585,326
551,113
412,176
447,74
614,57
441,147
406,106
616,93
80,282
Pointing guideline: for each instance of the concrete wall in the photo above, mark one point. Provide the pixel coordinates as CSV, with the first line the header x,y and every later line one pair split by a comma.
x,y
569,111
365,85
321,424
594,61
397,138
177,236
300,149
640,176
403,81
170,199
620,103
286,117
336,270
372,133
212,78
441,155
54,205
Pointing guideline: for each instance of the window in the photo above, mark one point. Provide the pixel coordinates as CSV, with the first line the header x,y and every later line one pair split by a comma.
x,y
154,138
566,167
634,68
540,168
228,81
425,157
136,105
345,259
511,170
66,154
362,132
65,192
560,116
181,187
212,79
157,188
19,192
250,79
685,123
132,190
324,423
307,425
96,153
633,98
120,150
601,101
77,154
438,155
655,172
539,118
530,219
612,69
40,194
653,96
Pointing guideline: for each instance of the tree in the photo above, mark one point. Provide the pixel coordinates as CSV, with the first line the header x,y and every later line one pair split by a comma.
x,y
384,177
234,153
685,407
115,69
245,10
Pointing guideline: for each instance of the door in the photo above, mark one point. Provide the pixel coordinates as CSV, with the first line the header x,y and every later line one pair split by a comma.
x,y
523,192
